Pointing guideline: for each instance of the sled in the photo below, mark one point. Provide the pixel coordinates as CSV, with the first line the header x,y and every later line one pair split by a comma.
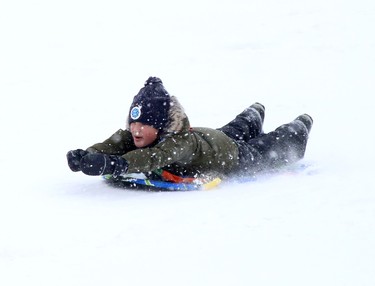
x,y
167,182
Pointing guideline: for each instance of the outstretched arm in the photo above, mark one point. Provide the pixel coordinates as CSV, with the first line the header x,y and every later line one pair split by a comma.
x,y
174,149
119,143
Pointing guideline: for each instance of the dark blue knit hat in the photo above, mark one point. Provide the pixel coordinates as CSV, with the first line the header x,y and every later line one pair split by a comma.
x,y
151,105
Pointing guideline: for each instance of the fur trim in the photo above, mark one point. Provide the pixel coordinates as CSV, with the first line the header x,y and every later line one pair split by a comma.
x,y
177,118
127,124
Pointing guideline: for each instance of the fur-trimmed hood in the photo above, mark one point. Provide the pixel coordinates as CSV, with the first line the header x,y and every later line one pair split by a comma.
x,y
177,118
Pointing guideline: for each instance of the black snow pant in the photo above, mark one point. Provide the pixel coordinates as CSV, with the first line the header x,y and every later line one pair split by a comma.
x,y
260,151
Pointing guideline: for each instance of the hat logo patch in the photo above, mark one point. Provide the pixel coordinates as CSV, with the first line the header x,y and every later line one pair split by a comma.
x,y
135,113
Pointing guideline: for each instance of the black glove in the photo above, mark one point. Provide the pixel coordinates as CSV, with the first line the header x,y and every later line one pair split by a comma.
x,y
102,164
74,159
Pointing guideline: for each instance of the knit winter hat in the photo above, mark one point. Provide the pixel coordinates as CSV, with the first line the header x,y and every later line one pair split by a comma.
x,y
151,105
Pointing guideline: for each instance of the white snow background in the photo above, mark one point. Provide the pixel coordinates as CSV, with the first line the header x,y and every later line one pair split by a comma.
x,y
68,73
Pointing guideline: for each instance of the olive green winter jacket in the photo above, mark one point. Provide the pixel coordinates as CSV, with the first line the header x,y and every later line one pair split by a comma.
x,y
179,149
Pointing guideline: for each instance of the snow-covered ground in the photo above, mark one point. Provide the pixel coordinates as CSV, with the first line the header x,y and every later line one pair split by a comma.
x,y
68,72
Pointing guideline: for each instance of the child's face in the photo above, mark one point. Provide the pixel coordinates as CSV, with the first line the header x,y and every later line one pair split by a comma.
x,y
143,135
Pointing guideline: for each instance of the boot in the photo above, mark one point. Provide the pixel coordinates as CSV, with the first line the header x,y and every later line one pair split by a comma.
x,y
306,120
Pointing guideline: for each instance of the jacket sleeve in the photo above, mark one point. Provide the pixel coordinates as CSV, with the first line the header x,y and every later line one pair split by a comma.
x,y
119,143
177,148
